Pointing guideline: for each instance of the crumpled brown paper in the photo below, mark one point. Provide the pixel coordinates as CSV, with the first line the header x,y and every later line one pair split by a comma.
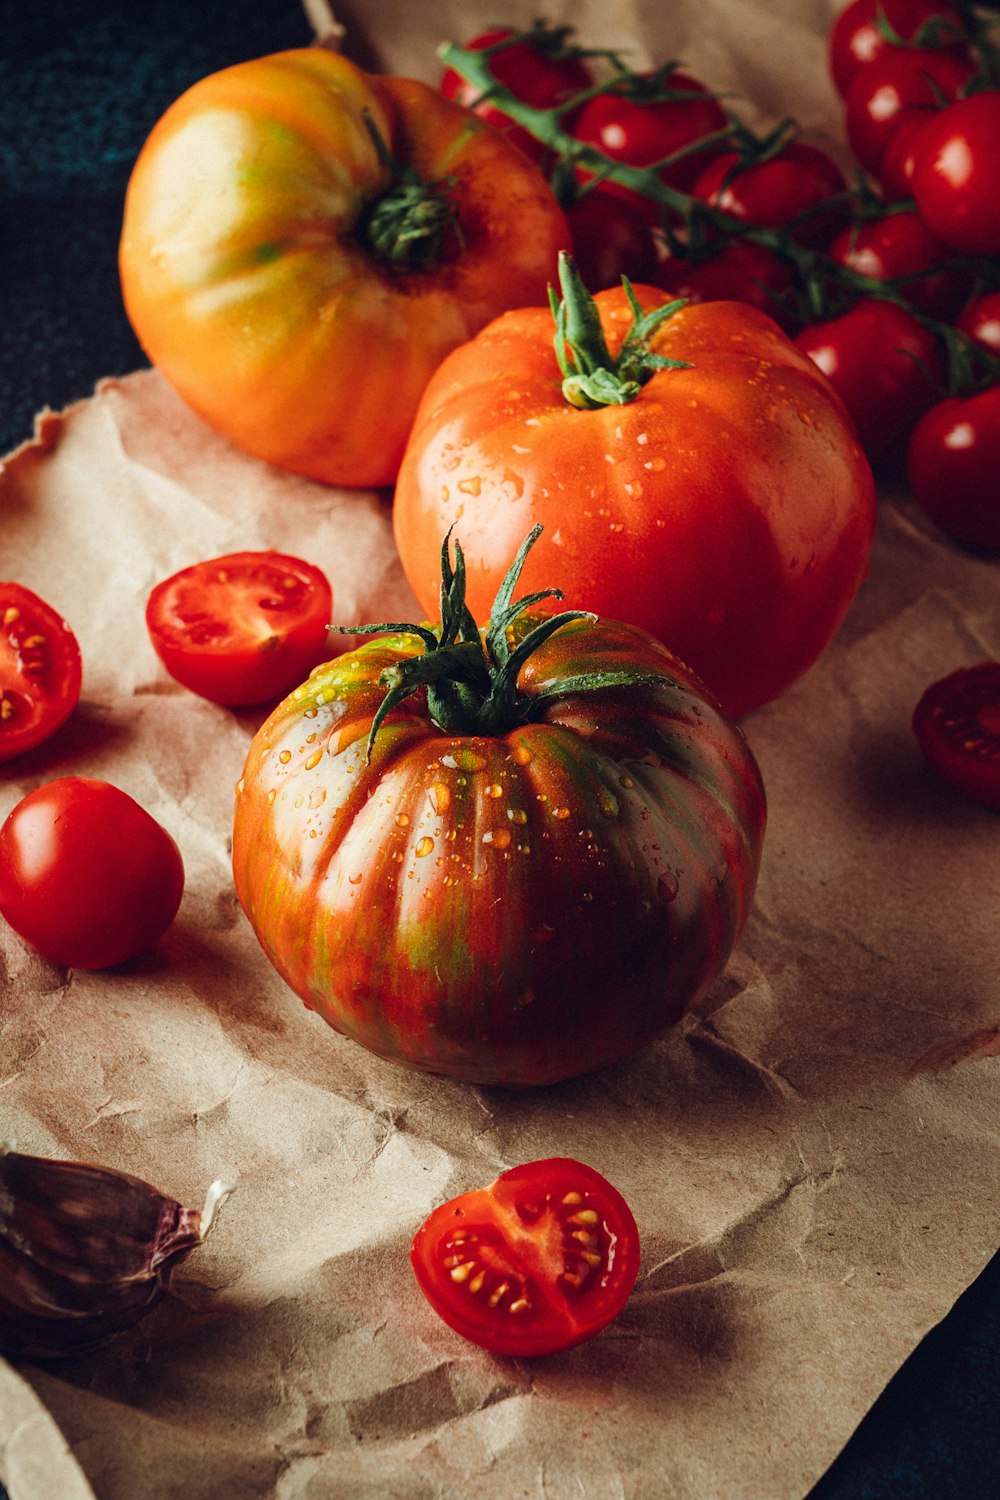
x,y
812,1160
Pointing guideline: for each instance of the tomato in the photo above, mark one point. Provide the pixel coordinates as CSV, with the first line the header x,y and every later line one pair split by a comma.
x,y
726,507
856,37
737,271
243,628
900,245
40,670
895,170
533,69
611,239
981,321
956,172
646,119
777,191
541,1260
296,288
896,81
522,864
957,726
87,876
953,466
882,363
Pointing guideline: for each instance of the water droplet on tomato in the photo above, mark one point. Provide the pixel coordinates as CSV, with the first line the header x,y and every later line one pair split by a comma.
x,y
562,813
402,821
499,838
494,790
522,755
424,847
667,886
463,759
439,796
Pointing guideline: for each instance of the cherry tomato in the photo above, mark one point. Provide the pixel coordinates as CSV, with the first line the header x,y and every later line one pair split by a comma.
x,y
611,239
40,670
856,37
540,78
901,245
981,321
797,180
740,271
882,363
243,628
953,466
957,725
630,128
87,877
892,83
895,172
541,1260
956,174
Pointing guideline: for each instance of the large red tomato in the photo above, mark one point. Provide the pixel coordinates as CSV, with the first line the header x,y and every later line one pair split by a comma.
x,y
298,287
520,865
725,506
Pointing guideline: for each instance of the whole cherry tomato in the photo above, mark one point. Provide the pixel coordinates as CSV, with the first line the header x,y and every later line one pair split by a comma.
x,y
40,670
956,174
883,365
646,119
541,1260
535,69
724,506
896,81
953,466
737,271
981,321
792,184
957,726
243,628
857,36
87,876
900,245
507,858
611,239
297,280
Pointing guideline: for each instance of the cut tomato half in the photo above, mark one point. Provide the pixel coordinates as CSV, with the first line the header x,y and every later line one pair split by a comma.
x,y
957,725
40,670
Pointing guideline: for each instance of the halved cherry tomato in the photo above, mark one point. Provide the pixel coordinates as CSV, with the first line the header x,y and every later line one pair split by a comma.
x,y
857,37
953,465
957,725
540,1260
539,77
40,670
243,628
87,876
897,80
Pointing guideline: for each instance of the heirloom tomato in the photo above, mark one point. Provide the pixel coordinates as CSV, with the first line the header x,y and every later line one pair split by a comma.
x,y
957,726
953,466
87,876
508,856
541,1260
303,243
40,670
695,474
956,174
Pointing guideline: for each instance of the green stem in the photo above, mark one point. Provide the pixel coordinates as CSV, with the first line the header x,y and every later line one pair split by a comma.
x,y
405,228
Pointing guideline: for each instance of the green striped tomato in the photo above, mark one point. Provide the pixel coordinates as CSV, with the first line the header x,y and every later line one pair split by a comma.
x,y
513,907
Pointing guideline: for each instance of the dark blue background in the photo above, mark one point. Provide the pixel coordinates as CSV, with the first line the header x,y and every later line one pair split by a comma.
x,y
82,84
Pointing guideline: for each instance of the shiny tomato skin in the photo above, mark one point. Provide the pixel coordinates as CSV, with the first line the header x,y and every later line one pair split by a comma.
x,y
541,1260
896,81
901,245
953,466
956,174
41,671
248,288
895,171
883,364
957,726
770,194
611,239
856,39
512,909
87,877
981,321
243,628
539,80
727,509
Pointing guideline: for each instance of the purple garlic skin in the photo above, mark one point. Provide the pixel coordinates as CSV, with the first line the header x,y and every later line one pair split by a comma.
x,y
85,1251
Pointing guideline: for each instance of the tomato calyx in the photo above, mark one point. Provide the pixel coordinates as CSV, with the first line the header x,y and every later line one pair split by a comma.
x,y
592,376
405,228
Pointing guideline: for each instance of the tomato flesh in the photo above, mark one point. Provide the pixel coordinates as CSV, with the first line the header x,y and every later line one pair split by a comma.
x,y
243,628
40,670
541,1260
957,726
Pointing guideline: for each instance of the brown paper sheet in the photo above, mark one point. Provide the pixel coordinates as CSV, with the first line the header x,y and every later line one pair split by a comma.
x,y
813,1160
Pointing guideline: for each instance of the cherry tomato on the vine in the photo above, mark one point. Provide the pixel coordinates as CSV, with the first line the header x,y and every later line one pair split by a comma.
x,y
957,726
540,78
611,239
981,321
87,876
40,670
953,467
737,271
857,37
882,363
894,82
539,1261
956,174
769,194
895,170
901,245
243,628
